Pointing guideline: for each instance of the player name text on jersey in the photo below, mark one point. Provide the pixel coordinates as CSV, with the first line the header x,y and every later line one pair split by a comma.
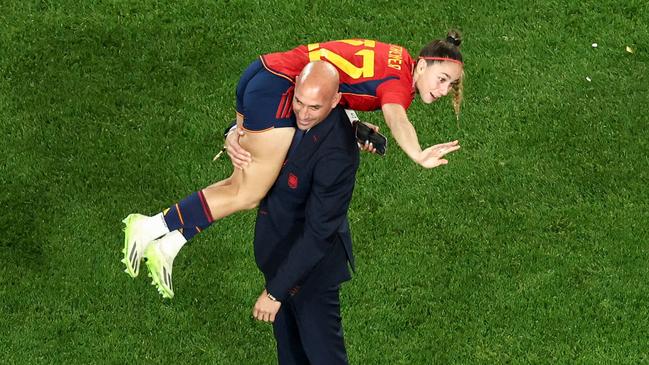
x,y
395,57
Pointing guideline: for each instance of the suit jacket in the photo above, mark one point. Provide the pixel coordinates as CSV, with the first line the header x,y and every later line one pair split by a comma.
x,y
301,234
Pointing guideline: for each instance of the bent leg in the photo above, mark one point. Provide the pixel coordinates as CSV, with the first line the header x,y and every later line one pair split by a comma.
x,y
247,187
226,181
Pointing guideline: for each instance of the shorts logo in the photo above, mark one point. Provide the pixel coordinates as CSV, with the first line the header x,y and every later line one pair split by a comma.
x,y
292,181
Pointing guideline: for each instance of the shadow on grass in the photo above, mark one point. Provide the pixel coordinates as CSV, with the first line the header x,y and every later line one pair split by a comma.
x,y
21,241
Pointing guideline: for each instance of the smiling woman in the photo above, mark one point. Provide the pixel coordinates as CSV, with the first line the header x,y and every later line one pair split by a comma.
x,y
446,72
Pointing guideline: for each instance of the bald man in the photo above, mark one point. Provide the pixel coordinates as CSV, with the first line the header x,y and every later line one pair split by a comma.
x,y
302,240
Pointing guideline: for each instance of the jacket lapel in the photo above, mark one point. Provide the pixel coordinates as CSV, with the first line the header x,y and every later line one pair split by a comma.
x,y
312,139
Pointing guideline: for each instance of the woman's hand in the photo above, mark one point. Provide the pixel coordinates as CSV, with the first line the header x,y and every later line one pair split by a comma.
x,y
433,156
368,146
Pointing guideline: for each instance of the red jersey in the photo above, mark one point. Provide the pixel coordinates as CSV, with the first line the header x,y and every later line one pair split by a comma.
x,y
371,73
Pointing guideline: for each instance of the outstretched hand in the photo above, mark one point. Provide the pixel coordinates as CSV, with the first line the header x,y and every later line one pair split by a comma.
x,y
433,156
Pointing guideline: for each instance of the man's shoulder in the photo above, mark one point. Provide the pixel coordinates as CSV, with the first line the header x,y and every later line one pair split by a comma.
x,y
342,132
339,147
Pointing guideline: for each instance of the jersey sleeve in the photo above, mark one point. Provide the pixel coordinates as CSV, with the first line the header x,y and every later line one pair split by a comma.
x,y
395,92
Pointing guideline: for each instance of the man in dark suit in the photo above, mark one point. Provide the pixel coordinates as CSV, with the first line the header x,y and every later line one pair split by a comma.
x,y
302,240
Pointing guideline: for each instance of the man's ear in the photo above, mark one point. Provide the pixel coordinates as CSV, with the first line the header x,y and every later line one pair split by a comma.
x,y
336,100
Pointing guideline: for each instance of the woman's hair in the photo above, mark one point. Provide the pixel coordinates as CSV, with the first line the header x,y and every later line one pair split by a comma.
x,y
447,48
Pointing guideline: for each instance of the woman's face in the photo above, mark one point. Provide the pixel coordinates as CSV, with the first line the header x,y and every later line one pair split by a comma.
x,y
436,80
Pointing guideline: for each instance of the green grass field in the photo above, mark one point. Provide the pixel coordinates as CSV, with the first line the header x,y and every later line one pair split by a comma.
x,y
531,246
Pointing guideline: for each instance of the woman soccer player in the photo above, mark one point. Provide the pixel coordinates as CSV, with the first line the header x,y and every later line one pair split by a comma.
x,y
373,76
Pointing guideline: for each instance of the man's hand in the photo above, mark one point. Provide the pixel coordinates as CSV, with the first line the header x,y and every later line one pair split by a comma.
x,y
265,309
432,156
368,146
240,158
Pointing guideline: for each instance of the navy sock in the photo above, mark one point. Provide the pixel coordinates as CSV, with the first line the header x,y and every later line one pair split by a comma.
x,y
190,232
191,215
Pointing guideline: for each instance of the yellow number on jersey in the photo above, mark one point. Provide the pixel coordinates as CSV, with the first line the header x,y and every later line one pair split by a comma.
x,y
367,68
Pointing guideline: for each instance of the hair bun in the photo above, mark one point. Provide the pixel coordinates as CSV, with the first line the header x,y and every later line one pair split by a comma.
x,y
454,38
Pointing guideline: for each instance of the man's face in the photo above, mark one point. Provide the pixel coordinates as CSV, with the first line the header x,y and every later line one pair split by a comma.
x,y
311,105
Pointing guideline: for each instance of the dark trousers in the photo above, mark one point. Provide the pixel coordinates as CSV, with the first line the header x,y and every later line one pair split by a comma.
x,y
308,328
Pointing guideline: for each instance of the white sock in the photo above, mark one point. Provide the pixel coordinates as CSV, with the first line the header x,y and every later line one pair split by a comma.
x,y
155,227
171,243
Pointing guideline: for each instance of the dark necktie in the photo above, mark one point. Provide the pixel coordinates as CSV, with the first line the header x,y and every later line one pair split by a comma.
x,y
297,138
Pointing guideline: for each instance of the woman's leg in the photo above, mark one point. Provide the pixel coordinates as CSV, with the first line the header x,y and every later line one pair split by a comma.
x,y
243,190
247,187
264,99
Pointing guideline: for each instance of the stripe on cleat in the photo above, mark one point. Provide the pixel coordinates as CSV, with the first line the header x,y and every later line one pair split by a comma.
x,y
164,275
132,251
135,260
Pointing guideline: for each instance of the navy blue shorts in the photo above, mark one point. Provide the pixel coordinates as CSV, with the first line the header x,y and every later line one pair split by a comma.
x,y
264,99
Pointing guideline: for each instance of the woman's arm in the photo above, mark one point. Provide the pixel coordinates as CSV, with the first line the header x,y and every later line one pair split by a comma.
x,y
402,130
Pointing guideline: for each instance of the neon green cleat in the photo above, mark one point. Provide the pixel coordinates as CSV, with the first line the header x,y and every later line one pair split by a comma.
x,y
136,239
160,266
